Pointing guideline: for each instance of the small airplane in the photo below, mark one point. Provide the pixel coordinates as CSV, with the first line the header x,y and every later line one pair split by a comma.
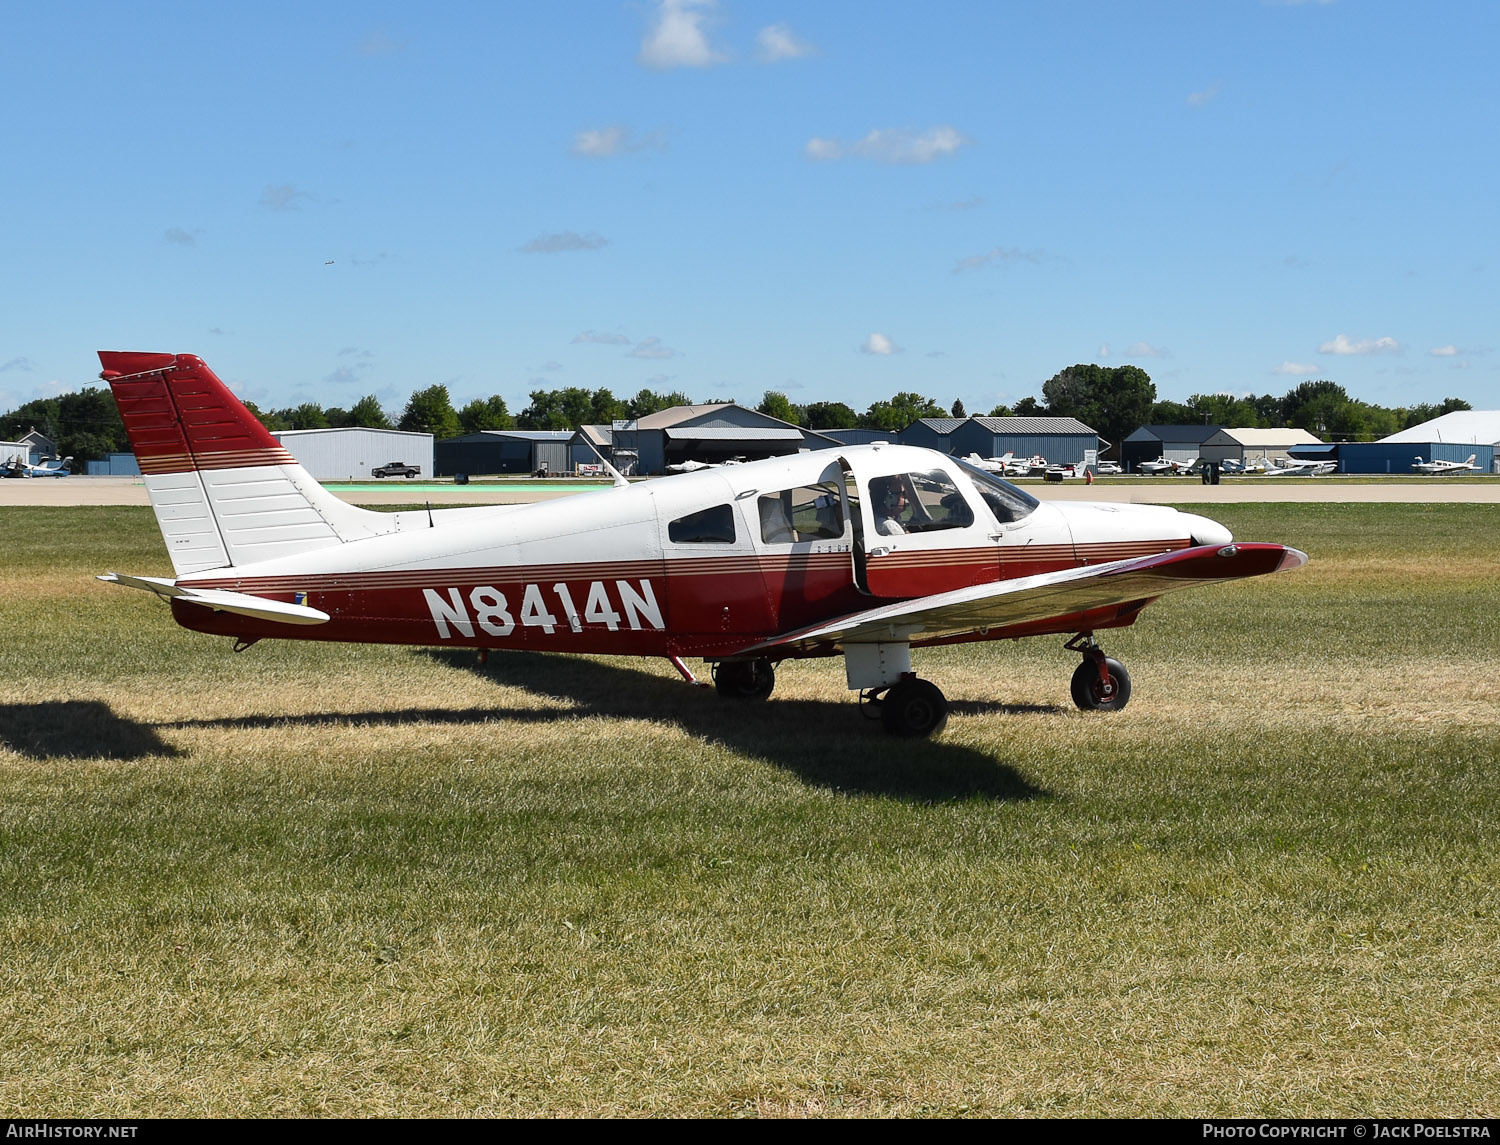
x,y
1236,468
991,464
1163,465
861,551
1291,467
60,467
690,466
1438,468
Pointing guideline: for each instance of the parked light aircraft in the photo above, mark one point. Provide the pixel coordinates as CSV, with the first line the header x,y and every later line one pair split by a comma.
x,y
1291,467
863,551
999,465
1438,468
1163,465
58,468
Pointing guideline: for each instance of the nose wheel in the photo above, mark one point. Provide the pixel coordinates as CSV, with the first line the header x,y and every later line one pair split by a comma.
x,y
910,708
744,679
1100,683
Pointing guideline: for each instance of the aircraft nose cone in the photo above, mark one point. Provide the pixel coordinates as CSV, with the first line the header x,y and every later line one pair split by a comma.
x,y
1206,532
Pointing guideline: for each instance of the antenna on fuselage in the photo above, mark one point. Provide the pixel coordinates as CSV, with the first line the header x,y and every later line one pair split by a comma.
x,y
619,478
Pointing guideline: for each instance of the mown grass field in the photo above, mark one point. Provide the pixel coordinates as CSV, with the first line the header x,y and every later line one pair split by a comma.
x,y
361,880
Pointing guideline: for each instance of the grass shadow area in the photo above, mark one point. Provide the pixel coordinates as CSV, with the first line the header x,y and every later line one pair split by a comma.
x,y
824,744
77,729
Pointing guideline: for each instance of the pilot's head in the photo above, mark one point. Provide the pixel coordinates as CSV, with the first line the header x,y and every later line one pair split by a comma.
x,y
890,494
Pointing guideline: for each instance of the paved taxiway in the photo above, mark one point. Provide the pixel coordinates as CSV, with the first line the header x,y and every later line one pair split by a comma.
x,y
1146,491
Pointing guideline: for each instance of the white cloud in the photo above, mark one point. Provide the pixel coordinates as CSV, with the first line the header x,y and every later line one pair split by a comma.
x,y
25,365
996,255
1443,351
677,37
605,142
1300,369
602,339
1343,344
892,145
377,43
1200,98
1146,350
181,237
777,42
564,241
879,344
550,367
1104,350
652,348
283,197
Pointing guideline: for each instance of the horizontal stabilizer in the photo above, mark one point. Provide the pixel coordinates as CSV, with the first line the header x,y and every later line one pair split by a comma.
x,y
222,600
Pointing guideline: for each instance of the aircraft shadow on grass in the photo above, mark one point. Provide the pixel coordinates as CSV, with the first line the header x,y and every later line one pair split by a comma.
x,y
77,729
826,744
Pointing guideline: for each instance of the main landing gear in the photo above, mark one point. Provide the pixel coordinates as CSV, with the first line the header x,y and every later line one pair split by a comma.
x,y
744,679
911,708
1100,684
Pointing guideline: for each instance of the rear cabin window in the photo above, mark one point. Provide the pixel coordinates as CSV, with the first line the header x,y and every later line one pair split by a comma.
x,y
918,503
706,527
805,513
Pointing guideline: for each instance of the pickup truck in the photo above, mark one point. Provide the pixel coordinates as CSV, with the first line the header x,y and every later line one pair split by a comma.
x,y
395,469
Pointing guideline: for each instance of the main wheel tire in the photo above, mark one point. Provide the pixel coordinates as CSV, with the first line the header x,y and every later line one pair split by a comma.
x,y
1089,692
745,679
913,709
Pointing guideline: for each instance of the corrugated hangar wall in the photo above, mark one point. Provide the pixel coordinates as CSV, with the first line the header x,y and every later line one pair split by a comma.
x,y
345,454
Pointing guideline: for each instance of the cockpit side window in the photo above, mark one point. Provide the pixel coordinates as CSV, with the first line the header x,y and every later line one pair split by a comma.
x,y
706,527
803,513
918,503
1006,501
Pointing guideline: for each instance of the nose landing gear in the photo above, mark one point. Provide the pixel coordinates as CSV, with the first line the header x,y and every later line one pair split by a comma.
x,y
1100,684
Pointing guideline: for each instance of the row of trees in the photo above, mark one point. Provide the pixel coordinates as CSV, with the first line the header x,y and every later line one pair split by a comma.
x,y
1114,400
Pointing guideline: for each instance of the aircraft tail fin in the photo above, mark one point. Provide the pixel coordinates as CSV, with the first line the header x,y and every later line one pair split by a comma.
x,y
225,491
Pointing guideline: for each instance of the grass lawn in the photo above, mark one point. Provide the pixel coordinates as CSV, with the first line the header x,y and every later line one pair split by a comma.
x,y
357,880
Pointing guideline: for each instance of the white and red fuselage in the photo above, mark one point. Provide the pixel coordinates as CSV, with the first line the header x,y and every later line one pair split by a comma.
x,y
720,563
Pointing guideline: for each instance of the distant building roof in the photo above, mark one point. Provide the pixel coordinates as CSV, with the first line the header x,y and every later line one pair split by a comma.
x,y
597,434
675,415
516,435
1462,427
1271,438
1175,432
943,425
278,434
732,433
1033,425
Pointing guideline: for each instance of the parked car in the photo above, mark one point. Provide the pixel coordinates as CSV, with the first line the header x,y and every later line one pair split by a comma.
x,y
395,469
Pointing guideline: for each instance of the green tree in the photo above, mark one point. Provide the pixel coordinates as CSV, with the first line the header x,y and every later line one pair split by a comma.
x,y
1171,413
367,413
776,404
900,412
1030,407
649,402
1002,411
1113,401
958,408
270,418
830,415
569,408
486,413
430,411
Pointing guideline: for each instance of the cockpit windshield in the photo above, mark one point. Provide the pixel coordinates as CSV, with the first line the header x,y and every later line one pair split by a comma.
x,y
1007,502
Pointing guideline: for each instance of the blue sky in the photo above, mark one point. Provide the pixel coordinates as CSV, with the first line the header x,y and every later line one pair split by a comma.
x,y
837,200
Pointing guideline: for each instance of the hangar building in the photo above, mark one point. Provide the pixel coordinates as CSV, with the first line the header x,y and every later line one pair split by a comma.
x,y
1061,440
1174,442
711,433
349,454
1252,444
491,451
1451,437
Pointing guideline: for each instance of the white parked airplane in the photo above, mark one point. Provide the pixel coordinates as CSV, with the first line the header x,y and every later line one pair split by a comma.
x,y
998,465
1439,468
1291,467
1162,465
864,552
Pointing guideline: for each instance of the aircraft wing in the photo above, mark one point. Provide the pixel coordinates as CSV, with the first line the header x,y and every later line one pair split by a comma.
x,y
222,600
984,609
